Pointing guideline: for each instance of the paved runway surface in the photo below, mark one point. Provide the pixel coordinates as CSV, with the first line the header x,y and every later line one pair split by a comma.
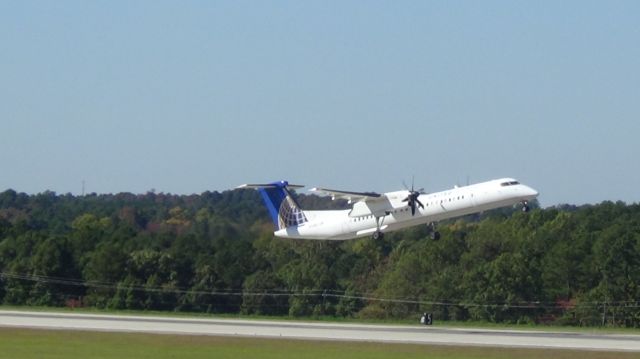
x,y
320,331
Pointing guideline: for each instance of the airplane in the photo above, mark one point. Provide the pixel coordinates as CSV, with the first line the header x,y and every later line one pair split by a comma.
x,y
373,214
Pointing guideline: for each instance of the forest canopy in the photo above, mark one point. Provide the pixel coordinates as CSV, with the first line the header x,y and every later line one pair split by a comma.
x,y
215,252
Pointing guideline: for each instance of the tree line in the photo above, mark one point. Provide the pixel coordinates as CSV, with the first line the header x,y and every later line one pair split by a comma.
x,y
215,252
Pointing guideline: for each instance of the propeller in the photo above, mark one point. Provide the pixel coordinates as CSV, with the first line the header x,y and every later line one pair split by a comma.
x,y
412,197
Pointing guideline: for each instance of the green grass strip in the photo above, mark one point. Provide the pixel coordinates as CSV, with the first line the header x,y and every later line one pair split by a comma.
x,y
38,344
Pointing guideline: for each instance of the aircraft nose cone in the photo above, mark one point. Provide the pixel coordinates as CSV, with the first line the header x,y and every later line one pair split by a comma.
x,y
532,192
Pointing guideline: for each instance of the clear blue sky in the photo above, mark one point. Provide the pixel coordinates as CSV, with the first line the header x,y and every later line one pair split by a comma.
x,y
189,96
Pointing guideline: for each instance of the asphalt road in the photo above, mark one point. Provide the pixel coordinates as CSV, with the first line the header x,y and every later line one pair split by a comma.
x,y
320,331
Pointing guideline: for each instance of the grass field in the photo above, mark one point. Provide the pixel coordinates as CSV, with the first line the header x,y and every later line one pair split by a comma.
x,y
38,344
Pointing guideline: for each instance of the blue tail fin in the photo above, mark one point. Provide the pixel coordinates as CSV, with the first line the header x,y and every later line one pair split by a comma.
x,y
283,208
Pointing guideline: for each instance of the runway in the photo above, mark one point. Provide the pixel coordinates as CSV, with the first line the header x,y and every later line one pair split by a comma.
x,y
320,331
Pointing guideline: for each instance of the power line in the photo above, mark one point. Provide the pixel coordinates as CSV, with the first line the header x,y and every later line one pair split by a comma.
x,y
331,293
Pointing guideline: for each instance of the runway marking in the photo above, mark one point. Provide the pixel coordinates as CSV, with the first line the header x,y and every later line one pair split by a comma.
x,y
321,331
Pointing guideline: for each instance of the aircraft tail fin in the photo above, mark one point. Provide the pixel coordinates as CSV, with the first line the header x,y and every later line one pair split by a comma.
x,y
283,208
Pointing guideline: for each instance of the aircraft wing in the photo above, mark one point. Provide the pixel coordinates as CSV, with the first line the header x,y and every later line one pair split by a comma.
x,y
348,195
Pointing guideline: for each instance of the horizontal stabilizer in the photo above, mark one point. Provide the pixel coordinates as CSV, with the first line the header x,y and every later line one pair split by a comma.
x,y
279,184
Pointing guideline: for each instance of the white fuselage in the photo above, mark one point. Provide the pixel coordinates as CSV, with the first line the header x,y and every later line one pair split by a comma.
x,y
394,214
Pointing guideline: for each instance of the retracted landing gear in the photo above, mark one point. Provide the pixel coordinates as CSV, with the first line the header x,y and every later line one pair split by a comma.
x,y
525,206
433,232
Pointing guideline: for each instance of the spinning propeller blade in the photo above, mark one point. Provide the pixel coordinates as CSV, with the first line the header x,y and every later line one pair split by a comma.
x,y
412,197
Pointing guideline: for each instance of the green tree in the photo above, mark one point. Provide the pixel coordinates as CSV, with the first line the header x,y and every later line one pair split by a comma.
x,y
263,293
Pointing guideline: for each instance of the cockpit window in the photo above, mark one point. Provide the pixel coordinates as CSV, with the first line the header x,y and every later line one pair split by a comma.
x,y
512,183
